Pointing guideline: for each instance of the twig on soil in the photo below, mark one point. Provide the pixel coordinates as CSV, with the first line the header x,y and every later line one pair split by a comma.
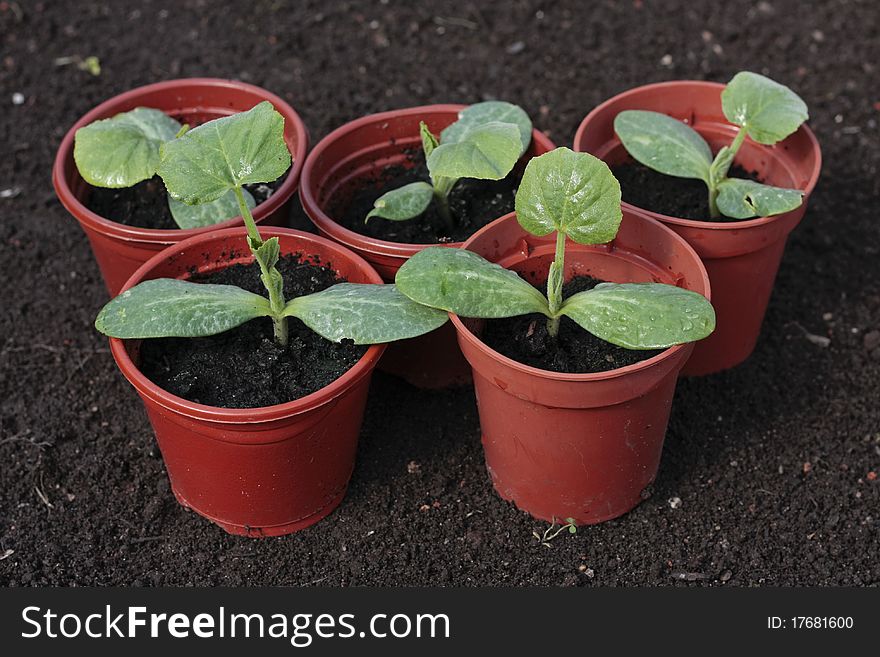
x,y
147,539
50,348
6,554
553,531
21,436
818,340
43,497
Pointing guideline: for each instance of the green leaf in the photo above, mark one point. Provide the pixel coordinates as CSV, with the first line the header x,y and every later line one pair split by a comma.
x,y
487,152
664,144
742,199
208,214
487,112
366,314
226,153
769,111
167,307
573,193
429,141
403,203
268,252
642,315
123,150
466,284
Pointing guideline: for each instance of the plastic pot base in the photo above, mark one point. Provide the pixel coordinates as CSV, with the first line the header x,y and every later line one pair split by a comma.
x,y
273,530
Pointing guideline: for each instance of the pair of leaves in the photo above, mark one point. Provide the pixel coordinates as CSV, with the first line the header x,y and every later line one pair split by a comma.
x,y
576,195
485,143
165,307
766,110
128,148
630,315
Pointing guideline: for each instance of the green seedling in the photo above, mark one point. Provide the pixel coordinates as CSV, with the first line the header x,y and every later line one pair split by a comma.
x,y
124,150
485,143
576,196
211,162
765,110
553,531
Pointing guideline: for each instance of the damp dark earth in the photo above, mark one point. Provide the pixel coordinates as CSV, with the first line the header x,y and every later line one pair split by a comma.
x,y
769,471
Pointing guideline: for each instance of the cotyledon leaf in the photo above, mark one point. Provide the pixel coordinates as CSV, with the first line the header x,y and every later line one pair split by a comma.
x,y
642,315
168,307
664,144
403,203
225,153
742,199
365,314
769,111
208,214
123,150
467,284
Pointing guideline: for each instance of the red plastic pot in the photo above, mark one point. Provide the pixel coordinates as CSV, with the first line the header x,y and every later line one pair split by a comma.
x,y
742,257
121,249
580,446
361,149
256,471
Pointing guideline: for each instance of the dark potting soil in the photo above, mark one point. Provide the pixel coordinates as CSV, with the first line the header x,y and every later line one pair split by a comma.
x,y
525,339
145,205
686,198
245,367
769,471
473,204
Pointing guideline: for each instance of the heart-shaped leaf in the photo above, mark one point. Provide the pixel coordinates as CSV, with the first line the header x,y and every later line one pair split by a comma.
x,y
365,314
664,144
486,152
167,307
769,111
489,111
208,214
466,284
226,153
742,199
403,203
573,193
123,150
642,315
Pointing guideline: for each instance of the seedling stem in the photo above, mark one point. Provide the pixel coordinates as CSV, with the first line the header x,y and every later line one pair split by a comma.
x,y
276,292
554,285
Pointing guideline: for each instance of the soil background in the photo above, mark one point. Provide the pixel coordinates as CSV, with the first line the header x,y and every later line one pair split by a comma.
x,y
767,475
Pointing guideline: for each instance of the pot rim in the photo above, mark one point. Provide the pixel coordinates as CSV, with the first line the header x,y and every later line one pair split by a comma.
x,y
349,237
172,236
667,354
672,86
260,413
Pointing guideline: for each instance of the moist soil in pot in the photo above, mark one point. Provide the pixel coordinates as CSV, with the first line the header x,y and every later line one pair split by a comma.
x,y
244,367
473,204
525,339
145,205
686,198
